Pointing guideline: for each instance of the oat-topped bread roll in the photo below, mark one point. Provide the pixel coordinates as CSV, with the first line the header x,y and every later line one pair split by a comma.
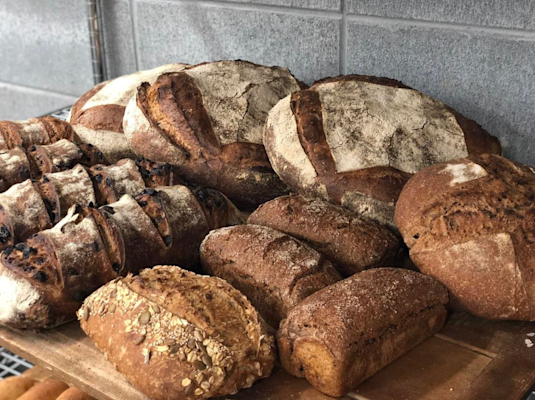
x,y
43,130
97,117
350,242
44,280
274,270
470,223
355,140
175,334
345,333
207,121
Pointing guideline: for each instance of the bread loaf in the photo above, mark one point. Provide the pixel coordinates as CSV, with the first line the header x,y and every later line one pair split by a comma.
x,y
274,270
74,394
207,121
11,388
44,280
349,242
470,223
355,141
49,389
175,334
343,334
38,131
97,117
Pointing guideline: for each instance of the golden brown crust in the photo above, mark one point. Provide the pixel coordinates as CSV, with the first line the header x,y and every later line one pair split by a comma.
x,y
343,334
49,389
77,107
351,243
469,223
170,322
74,394
274,270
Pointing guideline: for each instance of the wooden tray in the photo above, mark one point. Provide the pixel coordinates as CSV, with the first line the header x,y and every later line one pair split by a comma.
x,y
470,359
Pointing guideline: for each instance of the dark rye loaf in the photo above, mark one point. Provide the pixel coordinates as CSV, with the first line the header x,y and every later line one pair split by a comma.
x,y
470,223
351,243
343,334
207,121
355,140
274,270
177,335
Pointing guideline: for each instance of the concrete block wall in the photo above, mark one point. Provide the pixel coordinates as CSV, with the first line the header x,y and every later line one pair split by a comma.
x,y
477,56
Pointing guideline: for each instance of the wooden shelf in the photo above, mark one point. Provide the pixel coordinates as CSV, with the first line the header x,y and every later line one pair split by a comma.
x,y
469,359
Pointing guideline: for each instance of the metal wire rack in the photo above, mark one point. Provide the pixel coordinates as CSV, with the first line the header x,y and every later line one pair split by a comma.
x,y
11,364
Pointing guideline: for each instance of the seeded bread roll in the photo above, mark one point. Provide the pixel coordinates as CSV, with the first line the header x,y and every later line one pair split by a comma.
x,y
274,270
355,140
97,117
470,223
207,121
345,333
74,394
173,333
349,242
49,389
11,388
43,130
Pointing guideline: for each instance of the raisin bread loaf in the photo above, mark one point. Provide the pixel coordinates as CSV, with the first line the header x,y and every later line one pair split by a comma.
x,y
207,121
343,334
274,270
38,131
470,223
97,117
355,141
349,242
173,333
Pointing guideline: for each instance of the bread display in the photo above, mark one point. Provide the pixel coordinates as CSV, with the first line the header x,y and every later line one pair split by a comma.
x,y
175,334
207,120
35,131
49,389
470,223
355,141
349,242
29,207
44,280
97,117
343,334
274,270
11,388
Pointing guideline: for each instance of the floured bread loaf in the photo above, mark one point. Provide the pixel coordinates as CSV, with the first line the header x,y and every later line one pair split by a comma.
x,y
38,131
97,117
470,223
351,243
207,121
44,280
175,334
345,333
356,140
274,270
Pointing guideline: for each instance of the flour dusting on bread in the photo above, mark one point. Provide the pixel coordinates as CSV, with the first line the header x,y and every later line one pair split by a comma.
x,y
464,172
18,295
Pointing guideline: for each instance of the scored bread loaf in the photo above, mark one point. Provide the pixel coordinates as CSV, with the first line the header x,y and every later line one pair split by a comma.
x,y
44,280
343,334
349,242
175,334
207,121
29,207
12,387
470,223
274,270
97,117
38,131
49,389
355,140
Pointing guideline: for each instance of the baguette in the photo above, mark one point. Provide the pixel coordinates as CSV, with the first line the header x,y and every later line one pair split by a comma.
x,y
49,389
11,388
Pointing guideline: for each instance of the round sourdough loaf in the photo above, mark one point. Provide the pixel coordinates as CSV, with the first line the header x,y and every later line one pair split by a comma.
x,y
175,334
470,223
355,140
207,121
97,116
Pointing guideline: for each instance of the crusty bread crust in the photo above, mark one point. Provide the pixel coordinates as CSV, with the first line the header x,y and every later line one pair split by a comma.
x,y
343,334
35,131
470,223
173,333
351,243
